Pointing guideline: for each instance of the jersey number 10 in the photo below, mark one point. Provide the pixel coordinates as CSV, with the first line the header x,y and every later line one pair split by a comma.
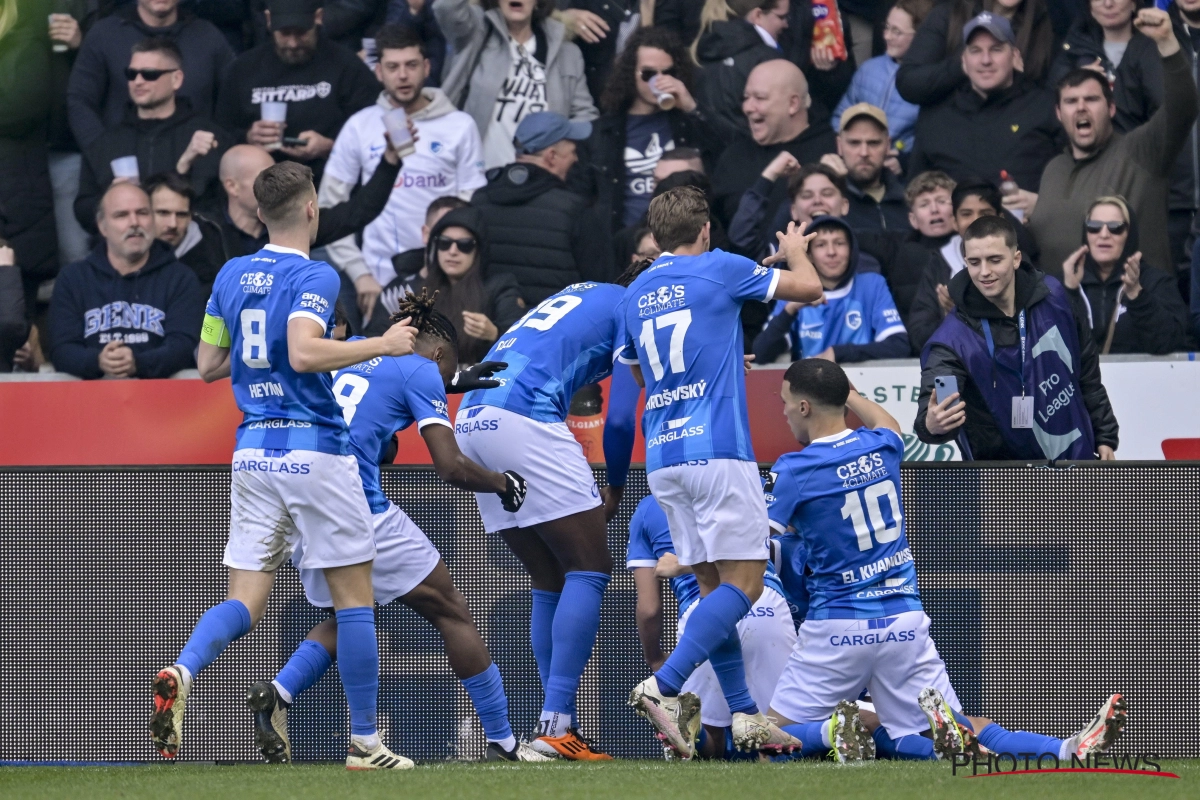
x,y
870,497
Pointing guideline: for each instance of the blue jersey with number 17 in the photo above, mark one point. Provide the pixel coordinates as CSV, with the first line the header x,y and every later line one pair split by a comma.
x,y
841,495
554,350
683,327
256,296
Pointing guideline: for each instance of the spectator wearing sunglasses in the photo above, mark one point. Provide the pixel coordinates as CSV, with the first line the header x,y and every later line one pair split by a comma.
x,y
160,129
635,133
482,305
1130,307
97,92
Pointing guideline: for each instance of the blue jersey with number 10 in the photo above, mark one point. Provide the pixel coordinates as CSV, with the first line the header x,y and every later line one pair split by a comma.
x,y
554,350
256,296
841,495
683,327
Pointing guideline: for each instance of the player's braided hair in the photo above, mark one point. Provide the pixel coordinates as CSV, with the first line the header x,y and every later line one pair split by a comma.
x,y
427,320
636,268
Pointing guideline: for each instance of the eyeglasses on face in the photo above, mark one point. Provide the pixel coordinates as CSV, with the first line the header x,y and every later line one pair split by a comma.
x,y
646,74
465,246
1115,228
147,74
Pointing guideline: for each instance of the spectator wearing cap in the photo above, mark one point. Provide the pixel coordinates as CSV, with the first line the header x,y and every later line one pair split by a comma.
x,y
635,133
448,160
511,60
776,106
539,231
130,309
876,194
1000,121
322,83
160,130
98,91
874,81
1101,161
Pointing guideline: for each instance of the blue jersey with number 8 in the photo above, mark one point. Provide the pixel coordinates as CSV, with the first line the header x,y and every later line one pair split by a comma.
x,y
841,495
256,296
683,328
563,344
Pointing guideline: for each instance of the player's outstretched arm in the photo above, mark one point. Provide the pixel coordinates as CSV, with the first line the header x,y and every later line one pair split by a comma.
x,y
649,615
799,283
310,351
455,468
871,413
212,362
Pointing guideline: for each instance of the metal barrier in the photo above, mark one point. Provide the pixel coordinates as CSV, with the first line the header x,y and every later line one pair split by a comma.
x,y
1048,589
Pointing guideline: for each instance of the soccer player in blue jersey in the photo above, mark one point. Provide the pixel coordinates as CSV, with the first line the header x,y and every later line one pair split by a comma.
x,y
766,632
684,339
837,502
294,480
559,535
379,398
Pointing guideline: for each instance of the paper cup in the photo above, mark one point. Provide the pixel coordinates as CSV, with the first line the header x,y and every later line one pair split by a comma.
x,y
274,112
57,47
369,52
396,124
665,100
125,167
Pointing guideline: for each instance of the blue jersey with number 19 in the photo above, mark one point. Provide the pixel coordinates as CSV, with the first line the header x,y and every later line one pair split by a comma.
x,y
256,296
683,327
380,397
563,344
841,495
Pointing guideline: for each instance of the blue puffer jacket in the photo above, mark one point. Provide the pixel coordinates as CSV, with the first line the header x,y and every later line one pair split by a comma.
x,y
875,83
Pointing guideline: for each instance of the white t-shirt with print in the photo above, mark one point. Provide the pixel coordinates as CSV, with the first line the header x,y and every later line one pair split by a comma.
x,y
522,93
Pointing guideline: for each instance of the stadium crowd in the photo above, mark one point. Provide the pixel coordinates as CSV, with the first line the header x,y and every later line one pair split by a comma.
x,y
545,130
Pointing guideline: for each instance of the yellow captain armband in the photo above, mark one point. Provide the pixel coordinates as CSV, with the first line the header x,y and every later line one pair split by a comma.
x,y
214,332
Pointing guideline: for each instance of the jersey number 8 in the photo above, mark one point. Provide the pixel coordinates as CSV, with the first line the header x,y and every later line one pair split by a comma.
x,y
678,321
254,338
853,510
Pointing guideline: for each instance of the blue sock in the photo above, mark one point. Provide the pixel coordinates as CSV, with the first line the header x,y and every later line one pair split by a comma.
x,y
491,704
358,663
913,747
541,631
715,617
732,753
219,626
303,669
809,734
727,662
999,740
576,623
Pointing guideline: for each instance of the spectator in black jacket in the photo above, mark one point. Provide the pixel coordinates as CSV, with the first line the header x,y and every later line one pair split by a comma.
x,y
13,326
410,262
729,50
160,129
776,106
602,29
1000,120
97,92
1185,182
1131,308
932,68
875,193
828,78
322,82
634,132
130,309
540,231
814,190
418,15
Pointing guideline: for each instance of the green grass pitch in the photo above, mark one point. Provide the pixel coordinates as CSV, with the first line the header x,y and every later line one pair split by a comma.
x,y
562,781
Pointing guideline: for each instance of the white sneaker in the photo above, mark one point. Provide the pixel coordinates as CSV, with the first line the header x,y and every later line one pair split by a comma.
x,y
521,752
379,758
851,739
676,719
750,731
1099,734
170,701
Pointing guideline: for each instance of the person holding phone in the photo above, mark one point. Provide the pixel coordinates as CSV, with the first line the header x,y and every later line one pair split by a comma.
x,y
1013,372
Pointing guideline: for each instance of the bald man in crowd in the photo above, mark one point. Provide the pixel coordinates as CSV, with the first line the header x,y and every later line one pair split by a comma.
x,y
130,309
776,106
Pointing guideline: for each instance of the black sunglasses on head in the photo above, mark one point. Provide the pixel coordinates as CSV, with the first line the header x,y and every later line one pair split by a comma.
x,y
147,74
465,246
647,74
1115,228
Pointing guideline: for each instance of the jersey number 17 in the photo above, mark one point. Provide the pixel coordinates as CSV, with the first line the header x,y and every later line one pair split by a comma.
x,y
678,322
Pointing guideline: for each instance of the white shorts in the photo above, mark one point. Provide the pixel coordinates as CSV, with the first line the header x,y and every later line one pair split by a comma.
x,y
716,510
835,659
545,454
281,499
768,636
404,557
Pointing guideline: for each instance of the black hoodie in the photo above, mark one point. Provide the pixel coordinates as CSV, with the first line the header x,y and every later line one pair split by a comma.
x,y
1156,322
987,442
156,311
541,232
728,52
